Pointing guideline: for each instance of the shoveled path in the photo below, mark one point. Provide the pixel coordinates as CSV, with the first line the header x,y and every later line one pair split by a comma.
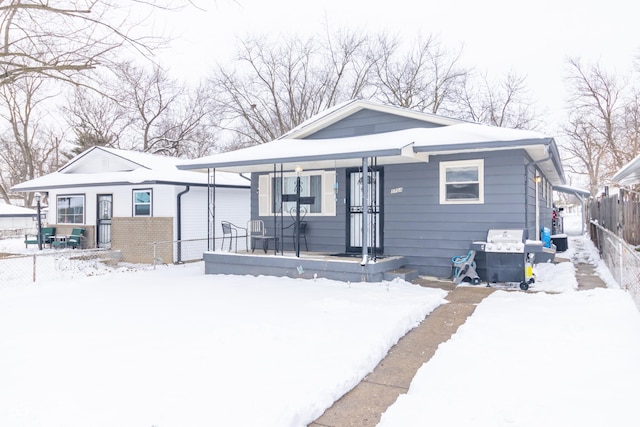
x,y
365,403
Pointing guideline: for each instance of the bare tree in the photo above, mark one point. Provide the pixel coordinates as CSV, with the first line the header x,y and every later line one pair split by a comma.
x,y
163,117
504,103
583,154
426,77
28,148
276,85
596,101
62,39
95,120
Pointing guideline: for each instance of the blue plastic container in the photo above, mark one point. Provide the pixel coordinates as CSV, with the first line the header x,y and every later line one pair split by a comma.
x,y
545,236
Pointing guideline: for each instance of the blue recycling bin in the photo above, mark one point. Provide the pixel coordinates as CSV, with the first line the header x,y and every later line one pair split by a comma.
x,y
545,236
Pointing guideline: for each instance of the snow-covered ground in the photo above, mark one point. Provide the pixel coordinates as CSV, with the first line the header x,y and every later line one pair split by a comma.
x,y
173,347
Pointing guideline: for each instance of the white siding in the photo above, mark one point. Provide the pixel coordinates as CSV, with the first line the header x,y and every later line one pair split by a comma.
x,y
233,205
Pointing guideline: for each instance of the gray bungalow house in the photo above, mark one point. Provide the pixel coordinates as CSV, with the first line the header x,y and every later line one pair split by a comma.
x,y
431,186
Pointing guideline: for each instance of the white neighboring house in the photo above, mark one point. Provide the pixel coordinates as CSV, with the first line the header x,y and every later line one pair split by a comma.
x,y
16,221
127,200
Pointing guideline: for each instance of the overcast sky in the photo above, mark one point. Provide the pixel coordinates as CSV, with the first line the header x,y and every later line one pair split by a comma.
x,y
532,38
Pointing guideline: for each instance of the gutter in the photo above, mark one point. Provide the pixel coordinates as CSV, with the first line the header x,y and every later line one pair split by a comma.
x,y
179,220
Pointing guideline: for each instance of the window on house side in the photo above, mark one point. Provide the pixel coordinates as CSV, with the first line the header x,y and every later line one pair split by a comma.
x,y
142,202
70,209
462,182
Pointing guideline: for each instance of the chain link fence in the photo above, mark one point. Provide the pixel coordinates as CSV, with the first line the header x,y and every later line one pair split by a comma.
x,y
190,250
19,269
622,259
60,264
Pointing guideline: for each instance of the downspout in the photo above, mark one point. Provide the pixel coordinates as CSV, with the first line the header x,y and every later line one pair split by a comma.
x,y
179,225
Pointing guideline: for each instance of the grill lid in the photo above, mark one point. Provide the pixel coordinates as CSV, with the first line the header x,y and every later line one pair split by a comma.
x,y
505,236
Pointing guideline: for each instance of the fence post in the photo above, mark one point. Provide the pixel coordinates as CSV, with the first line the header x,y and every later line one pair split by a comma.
x,y
34,268
621,265
154,255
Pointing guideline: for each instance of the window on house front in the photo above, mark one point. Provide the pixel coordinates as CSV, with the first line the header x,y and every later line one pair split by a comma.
x,y
462,182
70,209
310,186
142,202
316,184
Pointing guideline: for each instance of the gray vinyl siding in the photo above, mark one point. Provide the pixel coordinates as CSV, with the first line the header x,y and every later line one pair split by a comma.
x,y
324,233
545,212
367,122
418,227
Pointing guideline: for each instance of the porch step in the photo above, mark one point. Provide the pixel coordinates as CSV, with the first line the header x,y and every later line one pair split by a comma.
x,y
401,273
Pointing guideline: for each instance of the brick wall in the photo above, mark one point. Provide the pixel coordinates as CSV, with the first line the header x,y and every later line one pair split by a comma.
x,y
89,241
134,237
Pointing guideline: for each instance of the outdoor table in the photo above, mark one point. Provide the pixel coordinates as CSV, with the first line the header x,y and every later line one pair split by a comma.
x,y
60,240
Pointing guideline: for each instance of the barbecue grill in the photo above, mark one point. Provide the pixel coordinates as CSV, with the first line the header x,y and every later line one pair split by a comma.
x,y
503,257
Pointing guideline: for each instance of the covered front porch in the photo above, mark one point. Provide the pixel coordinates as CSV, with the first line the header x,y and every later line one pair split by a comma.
x,y
309,265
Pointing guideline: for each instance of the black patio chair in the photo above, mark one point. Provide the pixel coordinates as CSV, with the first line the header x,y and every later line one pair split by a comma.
x,y
231,231
302,229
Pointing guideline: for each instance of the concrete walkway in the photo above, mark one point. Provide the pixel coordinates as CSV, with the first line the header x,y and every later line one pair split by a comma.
x,y
365,403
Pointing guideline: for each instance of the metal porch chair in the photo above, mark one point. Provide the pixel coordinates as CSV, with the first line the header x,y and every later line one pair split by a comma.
x,y
302,229
231,231
255,227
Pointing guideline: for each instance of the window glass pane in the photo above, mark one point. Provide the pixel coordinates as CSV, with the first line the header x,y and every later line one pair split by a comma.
x,y
143,210
142,197
142,203
462,174
315,190
463,191
70,209
310,185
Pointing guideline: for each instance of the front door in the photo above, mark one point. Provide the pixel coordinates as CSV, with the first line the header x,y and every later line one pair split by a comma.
x,y
355,210
105,212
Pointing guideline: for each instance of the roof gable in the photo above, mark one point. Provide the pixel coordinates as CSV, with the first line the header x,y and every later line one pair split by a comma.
x,y
354,115
102,166
103,159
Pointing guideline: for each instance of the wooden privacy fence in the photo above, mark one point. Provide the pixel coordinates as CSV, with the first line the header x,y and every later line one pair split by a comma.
x,y
620,214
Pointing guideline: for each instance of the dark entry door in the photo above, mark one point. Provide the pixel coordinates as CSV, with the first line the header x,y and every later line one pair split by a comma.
x,y
355,210
105,212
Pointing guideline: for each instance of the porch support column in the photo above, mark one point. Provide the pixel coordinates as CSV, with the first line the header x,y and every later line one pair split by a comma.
x,y
365,212
536,180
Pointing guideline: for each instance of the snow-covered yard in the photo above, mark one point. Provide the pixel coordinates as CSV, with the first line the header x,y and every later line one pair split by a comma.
x,y
174,348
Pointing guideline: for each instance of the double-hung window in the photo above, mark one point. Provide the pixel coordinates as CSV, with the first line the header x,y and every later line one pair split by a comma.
x,y
70,209
142,202
315,186
462,182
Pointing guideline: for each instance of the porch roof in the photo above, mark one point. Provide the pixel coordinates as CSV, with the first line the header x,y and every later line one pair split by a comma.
x,y
403,146
629,174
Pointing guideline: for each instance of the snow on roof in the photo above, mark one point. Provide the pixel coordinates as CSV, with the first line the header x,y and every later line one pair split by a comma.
x,y
151,169
12,210
629,174
403,146
572,190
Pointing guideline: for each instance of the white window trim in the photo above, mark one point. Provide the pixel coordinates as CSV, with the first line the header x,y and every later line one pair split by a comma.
x,y
479,163
328,206
133,202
